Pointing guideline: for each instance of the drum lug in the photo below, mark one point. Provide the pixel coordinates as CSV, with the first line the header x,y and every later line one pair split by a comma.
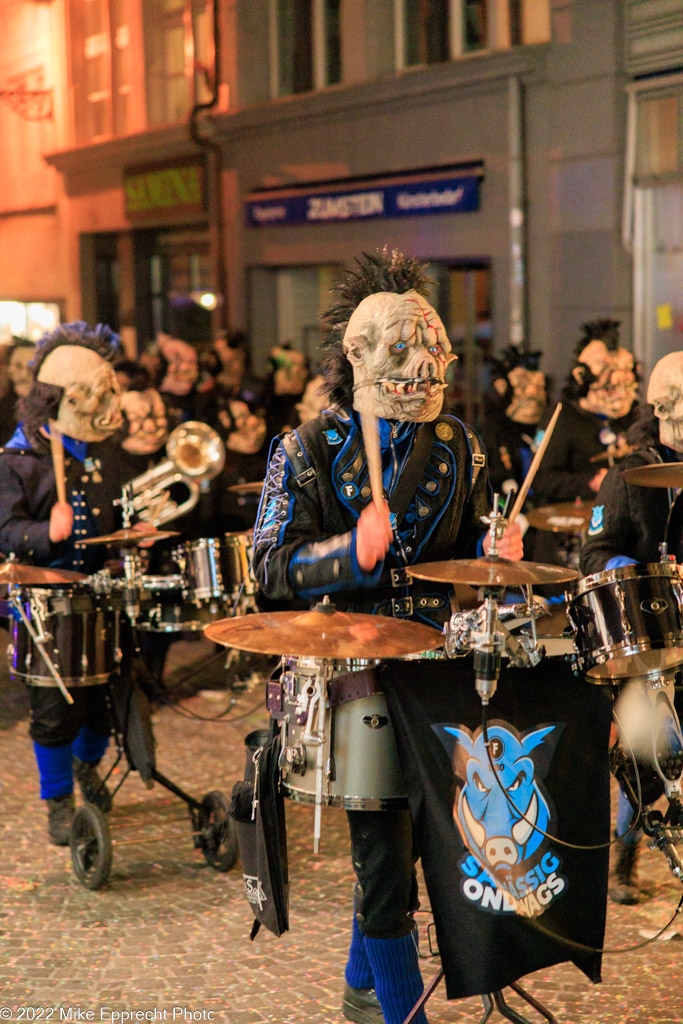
x,y
375,721
294,759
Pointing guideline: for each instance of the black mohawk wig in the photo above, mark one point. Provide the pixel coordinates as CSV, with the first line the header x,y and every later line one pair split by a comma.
x,y
606,331
378,271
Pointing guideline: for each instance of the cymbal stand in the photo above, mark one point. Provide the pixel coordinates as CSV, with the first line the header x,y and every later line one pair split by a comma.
x,y
38,636
665,831
131,558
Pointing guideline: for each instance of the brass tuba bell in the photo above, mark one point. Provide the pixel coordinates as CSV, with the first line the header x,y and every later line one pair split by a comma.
x,y
196,454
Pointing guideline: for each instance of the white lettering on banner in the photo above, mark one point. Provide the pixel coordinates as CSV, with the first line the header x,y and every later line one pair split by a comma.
x,y
266,213
358,204
423,200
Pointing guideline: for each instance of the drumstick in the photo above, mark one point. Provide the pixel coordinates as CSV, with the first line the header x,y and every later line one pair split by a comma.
x,y
370,429
528,480
58,460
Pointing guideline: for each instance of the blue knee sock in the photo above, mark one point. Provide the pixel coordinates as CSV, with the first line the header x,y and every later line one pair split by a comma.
x,y
358,971
54,768
398,982
90,746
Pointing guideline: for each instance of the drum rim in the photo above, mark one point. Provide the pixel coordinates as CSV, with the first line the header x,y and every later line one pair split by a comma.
x,y
200,543
610,654
347,801
624,572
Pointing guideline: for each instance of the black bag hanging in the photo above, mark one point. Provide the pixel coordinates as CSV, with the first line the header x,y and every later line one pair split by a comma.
x,y
258,812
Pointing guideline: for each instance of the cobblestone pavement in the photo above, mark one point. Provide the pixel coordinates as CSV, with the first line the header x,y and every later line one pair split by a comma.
x,y
169,934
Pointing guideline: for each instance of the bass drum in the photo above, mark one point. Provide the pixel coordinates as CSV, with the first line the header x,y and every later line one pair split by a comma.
x,y
628,621
338,745
81,634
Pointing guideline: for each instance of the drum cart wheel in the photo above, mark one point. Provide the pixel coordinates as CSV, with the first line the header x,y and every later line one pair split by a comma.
x,y
90,843
217,835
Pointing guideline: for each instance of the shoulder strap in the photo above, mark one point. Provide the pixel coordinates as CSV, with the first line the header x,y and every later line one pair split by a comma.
x,y
304,473
412,471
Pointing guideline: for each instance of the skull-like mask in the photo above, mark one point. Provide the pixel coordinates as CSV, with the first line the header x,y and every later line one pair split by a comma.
x,y
528,395
665,393
399,351
147,424
90,408
613,392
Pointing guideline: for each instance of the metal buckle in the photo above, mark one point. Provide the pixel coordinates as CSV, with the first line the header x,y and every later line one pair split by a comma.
x,y
401,606
400,578
307,477
478,459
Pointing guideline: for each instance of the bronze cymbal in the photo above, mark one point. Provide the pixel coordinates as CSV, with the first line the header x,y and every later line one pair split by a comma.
x,y
567,517
14,574
491,572
129,538
659,474
255,487
316,634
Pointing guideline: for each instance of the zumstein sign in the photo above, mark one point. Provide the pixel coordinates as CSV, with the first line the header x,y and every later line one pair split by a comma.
x,y
410,196
165,191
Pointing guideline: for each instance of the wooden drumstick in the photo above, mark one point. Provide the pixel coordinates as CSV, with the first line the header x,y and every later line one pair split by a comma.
x,y
370,429
57,449
528,480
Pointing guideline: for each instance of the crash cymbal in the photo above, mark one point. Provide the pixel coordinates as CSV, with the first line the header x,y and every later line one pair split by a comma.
x,y
129,538
659,474
568,517
491,572
324,634
255,487
13,574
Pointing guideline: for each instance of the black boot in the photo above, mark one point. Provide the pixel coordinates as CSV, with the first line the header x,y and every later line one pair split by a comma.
x,y
93,789
361,1005
623,875
60,813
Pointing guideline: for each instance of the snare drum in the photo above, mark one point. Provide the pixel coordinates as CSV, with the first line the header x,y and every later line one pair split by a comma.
x,y
200,564
165,607
236,554
80,631
338,749
628,621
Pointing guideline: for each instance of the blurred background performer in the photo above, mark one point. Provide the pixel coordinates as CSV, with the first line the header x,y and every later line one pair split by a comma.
x,y
628,525
75,386
386,352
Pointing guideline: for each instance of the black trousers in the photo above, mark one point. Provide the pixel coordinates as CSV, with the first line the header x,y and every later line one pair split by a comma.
x,y
54,722
384,853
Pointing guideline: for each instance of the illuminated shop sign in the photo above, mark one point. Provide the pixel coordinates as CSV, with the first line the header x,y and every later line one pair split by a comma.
x,y
408,198
164,190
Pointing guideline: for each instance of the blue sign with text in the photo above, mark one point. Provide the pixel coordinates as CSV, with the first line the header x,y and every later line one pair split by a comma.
x,y
410,199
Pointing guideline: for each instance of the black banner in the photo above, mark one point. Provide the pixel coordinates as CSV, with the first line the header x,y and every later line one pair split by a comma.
x,y
505,897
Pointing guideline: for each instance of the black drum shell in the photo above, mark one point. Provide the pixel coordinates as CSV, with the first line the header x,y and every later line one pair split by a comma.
x,y
628,621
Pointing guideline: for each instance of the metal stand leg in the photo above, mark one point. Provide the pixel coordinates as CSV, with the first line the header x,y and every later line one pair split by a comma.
x,y
537,1005
489,999
424,997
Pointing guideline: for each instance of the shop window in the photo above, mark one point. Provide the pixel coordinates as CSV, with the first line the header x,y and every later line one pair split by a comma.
x,y
308,50
27,319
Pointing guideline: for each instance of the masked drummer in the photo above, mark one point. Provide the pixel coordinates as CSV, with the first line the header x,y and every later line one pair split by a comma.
x,y
76,388
628,525
319,532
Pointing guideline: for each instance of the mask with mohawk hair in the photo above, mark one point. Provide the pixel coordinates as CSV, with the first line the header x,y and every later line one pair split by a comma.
x,y
386,350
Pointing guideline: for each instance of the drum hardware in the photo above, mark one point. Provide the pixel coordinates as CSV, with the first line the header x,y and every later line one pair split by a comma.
x,y
196,454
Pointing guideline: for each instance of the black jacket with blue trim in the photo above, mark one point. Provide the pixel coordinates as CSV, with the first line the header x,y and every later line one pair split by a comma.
x,y
317,485
628,520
